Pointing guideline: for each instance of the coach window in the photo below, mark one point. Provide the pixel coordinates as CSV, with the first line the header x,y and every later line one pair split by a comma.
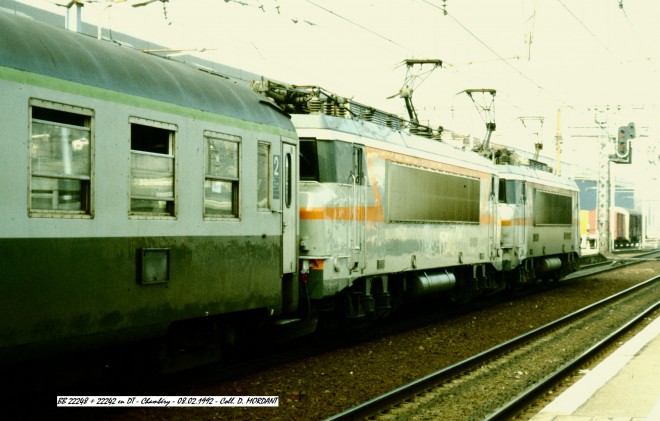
x,y
60,159
221,175
263,179
288,188
152,168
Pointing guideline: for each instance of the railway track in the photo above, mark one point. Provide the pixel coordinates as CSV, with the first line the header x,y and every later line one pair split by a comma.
x,y
313,384
616,261
308,347
498,382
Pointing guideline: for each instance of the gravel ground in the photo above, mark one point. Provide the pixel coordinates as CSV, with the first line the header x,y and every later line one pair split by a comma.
x,y
477,393
320,386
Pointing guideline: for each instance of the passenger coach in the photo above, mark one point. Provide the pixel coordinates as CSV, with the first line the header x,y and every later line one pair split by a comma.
x,y
140,197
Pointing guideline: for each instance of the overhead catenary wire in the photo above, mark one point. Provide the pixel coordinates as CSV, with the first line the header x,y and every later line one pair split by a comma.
x,y
361,24
358,25
586,28
640,40
498,55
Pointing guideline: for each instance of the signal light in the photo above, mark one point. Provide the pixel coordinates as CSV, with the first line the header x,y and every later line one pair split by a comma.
x,y
622,147
623,141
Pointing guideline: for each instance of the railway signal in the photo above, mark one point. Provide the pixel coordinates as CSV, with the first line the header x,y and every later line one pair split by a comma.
x,y
623,153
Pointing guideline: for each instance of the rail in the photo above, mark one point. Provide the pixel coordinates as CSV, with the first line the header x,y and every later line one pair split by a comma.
x,y
408,391
535,390
617,263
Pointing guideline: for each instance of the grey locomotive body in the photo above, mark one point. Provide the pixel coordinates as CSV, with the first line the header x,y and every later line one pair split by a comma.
x,y
388,215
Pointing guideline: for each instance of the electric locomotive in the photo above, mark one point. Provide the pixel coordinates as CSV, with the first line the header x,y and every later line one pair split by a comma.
x,y
539,220
141,198
389,215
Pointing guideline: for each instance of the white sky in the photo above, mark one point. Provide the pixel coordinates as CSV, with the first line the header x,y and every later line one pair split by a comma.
x,y
585,55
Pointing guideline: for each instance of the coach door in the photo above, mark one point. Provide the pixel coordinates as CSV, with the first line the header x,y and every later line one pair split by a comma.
x,y
289,177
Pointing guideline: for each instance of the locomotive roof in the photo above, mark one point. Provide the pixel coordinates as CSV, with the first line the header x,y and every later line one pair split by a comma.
x,y
527,173
35,47
397,140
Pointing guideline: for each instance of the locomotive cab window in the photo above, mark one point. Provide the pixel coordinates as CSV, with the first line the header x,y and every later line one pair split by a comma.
x,y
332,161
309,163
221,182
152,168
60,159
509,191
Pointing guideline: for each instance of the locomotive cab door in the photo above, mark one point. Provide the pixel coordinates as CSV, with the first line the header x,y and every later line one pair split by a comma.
x,y
358,227
522,231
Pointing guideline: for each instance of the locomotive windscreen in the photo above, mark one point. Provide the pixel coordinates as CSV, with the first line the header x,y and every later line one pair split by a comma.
x,y
552,209
419,195
309,163
331,161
